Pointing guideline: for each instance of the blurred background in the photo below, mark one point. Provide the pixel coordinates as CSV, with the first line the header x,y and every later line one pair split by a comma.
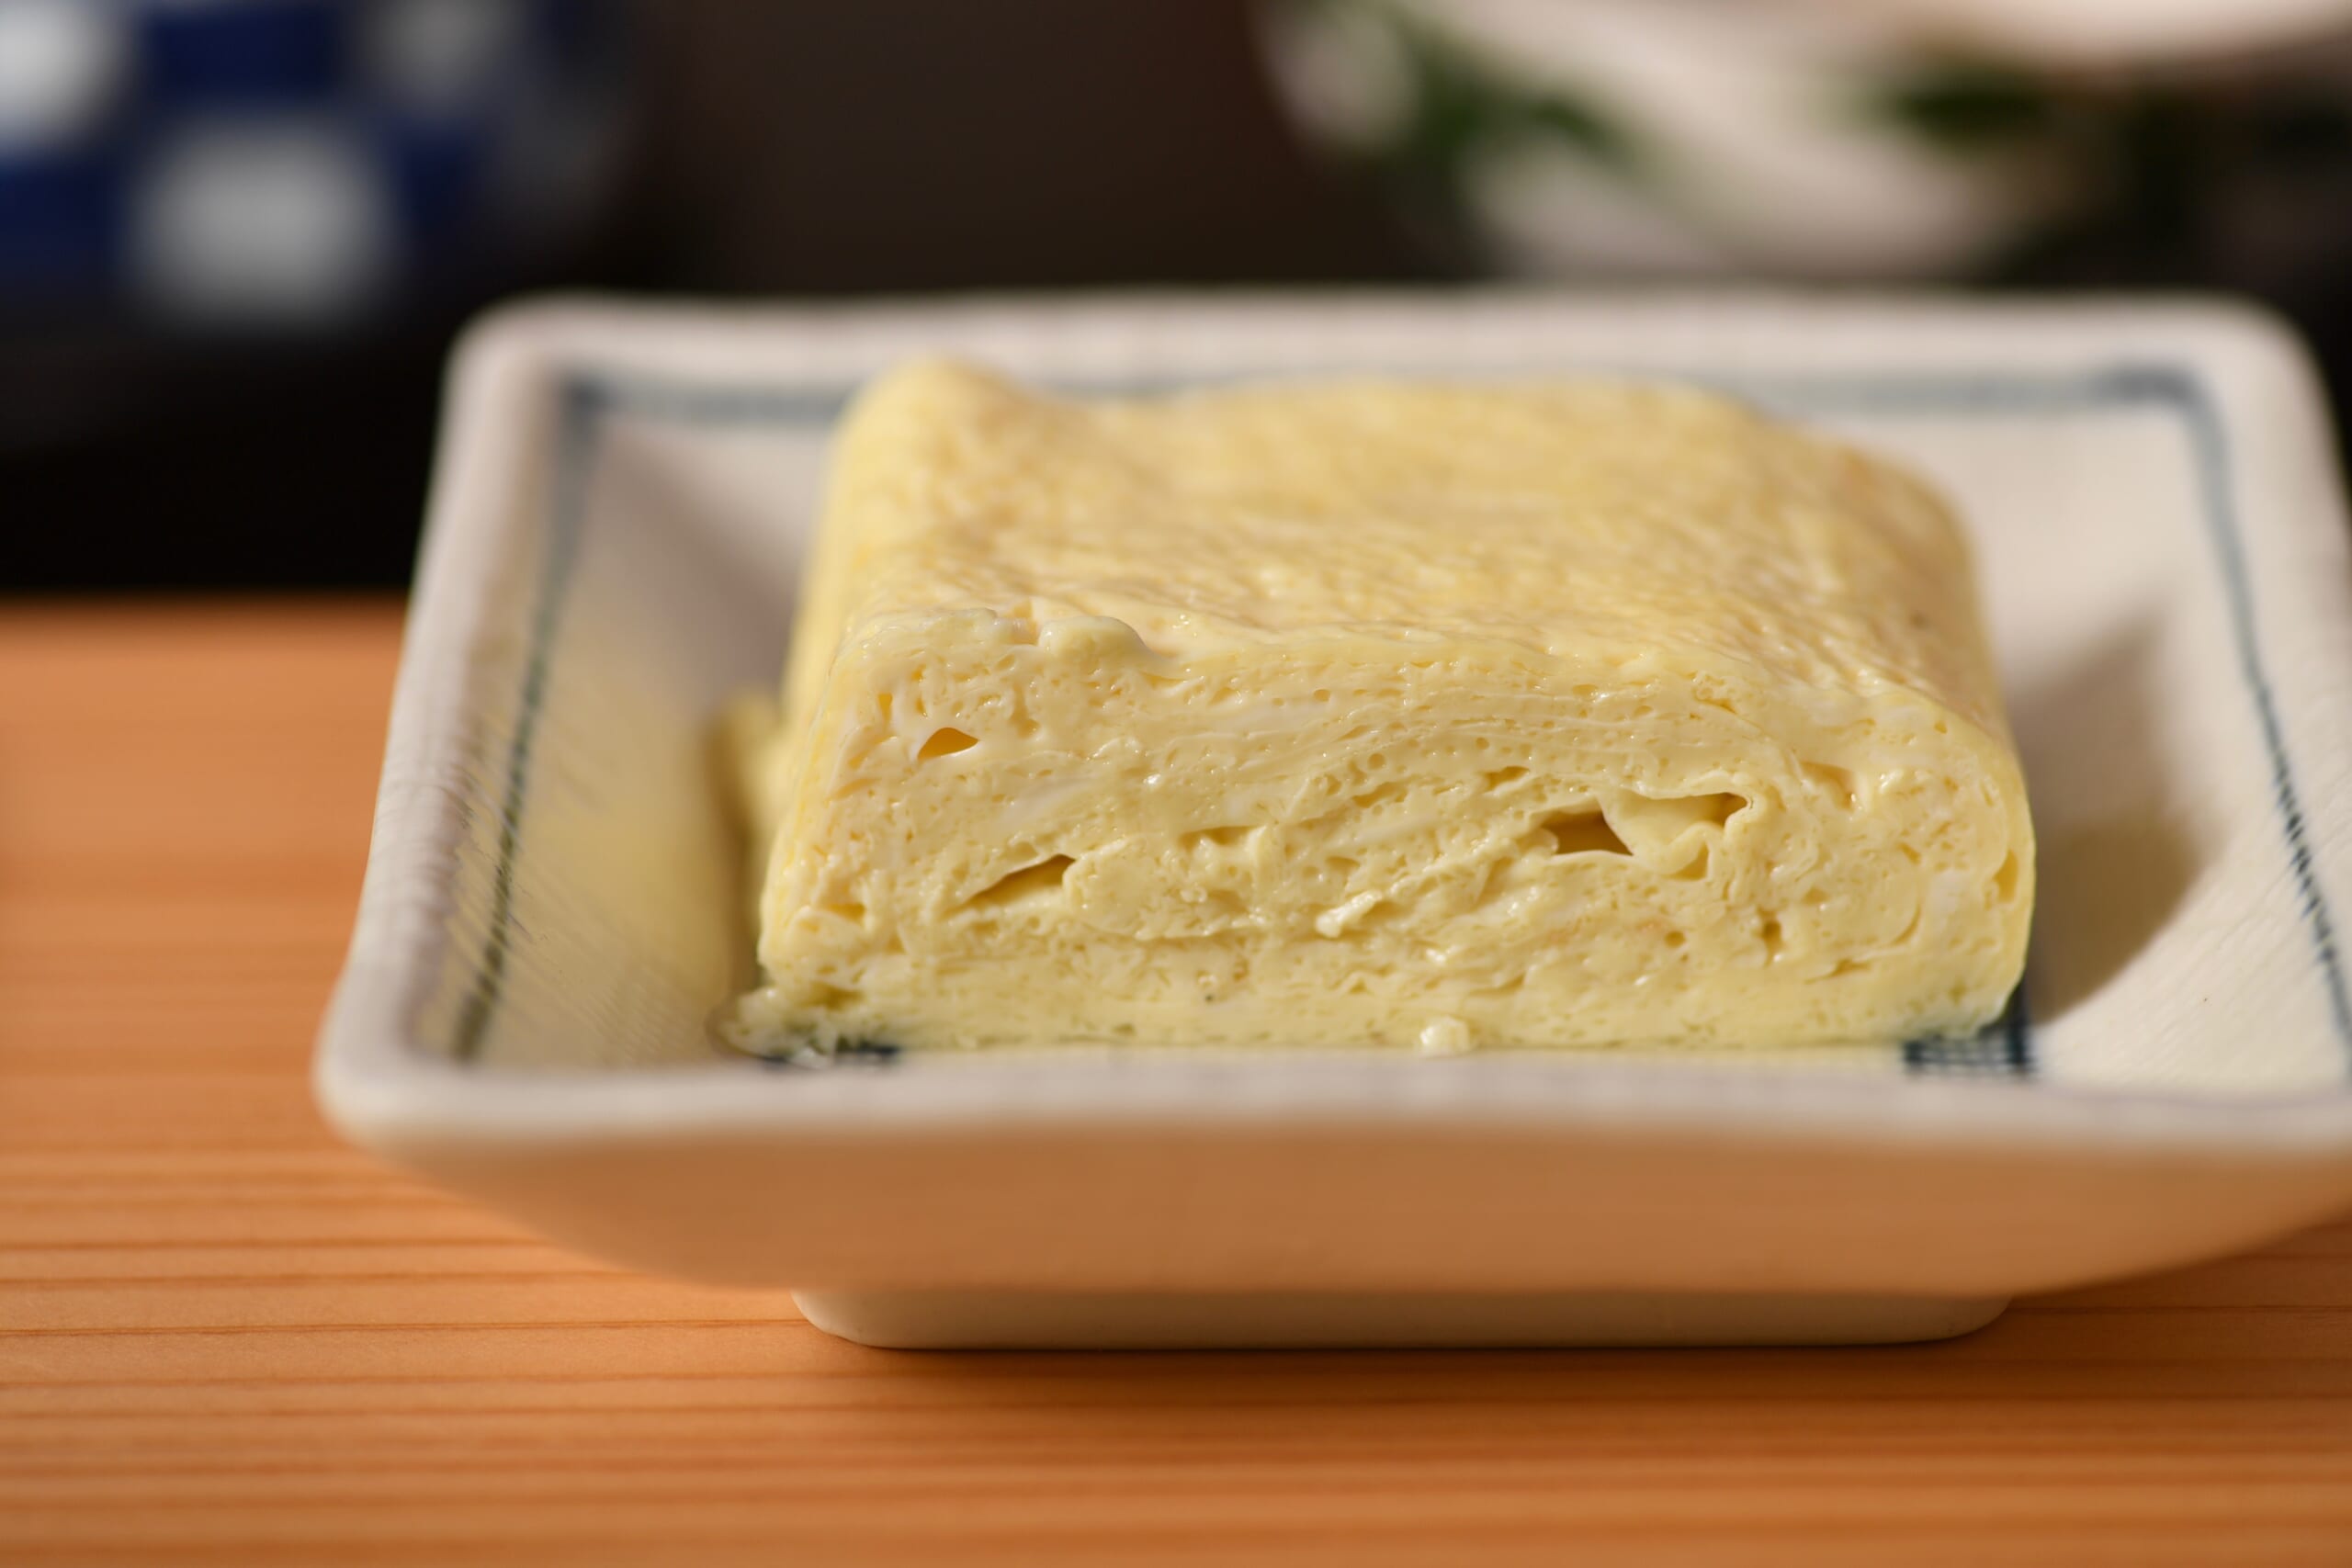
x,y
237,235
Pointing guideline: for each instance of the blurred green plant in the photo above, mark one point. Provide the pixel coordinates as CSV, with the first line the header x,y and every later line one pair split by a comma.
x,y
1968,106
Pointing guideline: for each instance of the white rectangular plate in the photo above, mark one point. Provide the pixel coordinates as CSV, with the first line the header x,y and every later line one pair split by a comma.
x,y
553,901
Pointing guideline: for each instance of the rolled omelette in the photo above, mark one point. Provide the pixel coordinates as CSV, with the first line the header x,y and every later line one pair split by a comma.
x,y
1379,713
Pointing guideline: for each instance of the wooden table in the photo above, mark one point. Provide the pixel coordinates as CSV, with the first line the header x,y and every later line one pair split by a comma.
x,y
225,1338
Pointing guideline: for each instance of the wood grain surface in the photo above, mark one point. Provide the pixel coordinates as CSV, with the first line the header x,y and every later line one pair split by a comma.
x,y
225,1338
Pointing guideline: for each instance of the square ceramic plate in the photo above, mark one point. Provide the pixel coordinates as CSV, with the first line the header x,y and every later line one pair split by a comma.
x,y
552,904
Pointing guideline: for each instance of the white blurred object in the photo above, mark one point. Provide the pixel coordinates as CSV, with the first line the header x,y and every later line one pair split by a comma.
x,y
1548,203
1748,136
2070,34
241,224
1816,139
1346,71
1738,136
2050,34
61,68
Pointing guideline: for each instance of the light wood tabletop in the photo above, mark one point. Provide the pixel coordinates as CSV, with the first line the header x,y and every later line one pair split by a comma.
x,y
226,1338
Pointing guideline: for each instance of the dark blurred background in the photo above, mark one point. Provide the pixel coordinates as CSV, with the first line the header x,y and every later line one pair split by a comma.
x,y
237,235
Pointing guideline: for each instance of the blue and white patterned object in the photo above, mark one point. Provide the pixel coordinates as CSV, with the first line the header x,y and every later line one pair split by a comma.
x,y
288,164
